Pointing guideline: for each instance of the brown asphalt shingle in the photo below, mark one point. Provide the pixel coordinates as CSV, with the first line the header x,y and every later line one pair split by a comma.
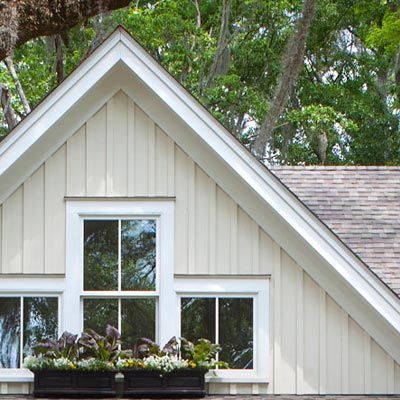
x,y
360,204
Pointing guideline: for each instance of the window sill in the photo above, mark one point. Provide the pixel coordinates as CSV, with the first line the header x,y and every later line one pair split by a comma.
x,y
235,378
16,375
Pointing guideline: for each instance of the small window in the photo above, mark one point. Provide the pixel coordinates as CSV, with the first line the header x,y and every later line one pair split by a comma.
x,y
24,322
224,320
120,271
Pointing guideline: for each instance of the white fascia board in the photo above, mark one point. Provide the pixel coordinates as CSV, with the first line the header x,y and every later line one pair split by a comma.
x,y
316,234
59,102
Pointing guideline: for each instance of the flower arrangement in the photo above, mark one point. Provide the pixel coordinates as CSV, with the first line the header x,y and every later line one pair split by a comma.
x,y
94,352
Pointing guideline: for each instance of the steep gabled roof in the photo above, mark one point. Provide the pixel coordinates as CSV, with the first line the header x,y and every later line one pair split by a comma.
x,y
360,204
120,63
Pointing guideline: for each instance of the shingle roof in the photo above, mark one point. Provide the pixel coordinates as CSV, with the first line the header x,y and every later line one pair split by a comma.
x,y
360,204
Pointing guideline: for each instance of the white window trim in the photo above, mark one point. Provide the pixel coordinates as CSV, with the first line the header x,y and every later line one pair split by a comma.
x,y
31,287
258,289
163,211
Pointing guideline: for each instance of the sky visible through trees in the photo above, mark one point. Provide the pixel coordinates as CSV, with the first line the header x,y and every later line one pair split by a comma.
x,y
343,105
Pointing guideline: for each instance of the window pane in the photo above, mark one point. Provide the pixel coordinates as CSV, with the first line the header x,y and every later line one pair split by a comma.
x,y
138,254
138,319
97,313
236,332
40,320
198,318
10,331
100,255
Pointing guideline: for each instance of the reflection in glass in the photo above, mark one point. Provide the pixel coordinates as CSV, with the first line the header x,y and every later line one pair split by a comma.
x,y
198,318
97,313
236,332
10,331
138,254
100,255
138,320
40,321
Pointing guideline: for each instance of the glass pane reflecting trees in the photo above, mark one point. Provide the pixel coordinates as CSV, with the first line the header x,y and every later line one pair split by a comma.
x,y
100,312
138,254
10,330
227,321
39,321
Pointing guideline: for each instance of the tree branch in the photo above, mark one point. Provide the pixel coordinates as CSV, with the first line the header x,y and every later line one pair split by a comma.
x,y
22,20
292,62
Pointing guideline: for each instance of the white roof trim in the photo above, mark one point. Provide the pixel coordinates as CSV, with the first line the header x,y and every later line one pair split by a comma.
x,y
120,47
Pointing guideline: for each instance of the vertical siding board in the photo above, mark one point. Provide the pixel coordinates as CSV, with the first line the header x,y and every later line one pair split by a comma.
x,y
55,182
12,233
181,212
151,158
191,166
171,166
141,153
161,163
356,358
367,363
322,341
234,268
96,157
202,212
131,147
33,233
396,378
333,347
288,325
223,226
311,331
300,389
117,145
212,231
276,280
244,251
345,352
378,369
266,251
76,163
390,374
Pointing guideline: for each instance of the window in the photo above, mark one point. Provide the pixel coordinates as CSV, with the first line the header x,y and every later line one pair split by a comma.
x,y
24,322
120,268
232,312
120,259
224,320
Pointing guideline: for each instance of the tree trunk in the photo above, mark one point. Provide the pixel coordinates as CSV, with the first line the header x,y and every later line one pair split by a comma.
x,y
221,60
21,93
292,63
22,20
8,111
59,64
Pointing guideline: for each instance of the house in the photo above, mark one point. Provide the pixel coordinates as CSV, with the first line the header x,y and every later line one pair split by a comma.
x,y
124,201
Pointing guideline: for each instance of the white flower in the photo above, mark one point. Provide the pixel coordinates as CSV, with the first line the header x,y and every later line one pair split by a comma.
x,y
165,363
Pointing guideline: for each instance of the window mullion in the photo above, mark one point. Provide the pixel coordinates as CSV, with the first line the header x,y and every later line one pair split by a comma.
x,y
217,324
21,336
119,316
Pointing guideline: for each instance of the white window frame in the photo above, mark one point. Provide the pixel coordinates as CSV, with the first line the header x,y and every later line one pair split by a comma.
x,y
256,288
20,286
163,212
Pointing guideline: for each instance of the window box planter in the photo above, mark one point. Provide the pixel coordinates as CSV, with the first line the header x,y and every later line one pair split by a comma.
x,y
180,383
51,383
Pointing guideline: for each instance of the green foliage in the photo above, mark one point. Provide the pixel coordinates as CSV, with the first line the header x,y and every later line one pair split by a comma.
x,y
349,87
203,353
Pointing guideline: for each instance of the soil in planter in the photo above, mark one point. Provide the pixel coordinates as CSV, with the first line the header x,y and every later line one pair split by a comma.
x,y
151,384
74,384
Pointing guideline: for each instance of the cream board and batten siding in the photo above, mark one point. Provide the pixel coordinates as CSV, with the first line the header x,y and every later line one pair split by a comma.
x,y
315,345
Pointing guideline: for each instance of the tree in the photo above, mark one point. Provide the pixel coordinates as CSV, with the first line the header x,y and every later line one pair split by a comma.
x,y
341,108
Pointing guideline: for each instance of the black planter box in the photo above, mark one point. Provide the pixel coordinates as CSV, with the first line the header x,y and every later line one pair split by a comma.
x,y
180,383
74,384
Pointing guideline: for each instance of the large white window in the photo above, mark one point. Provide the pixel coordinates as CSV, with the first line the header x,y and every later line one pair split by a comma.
x,y
232,312
120,268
